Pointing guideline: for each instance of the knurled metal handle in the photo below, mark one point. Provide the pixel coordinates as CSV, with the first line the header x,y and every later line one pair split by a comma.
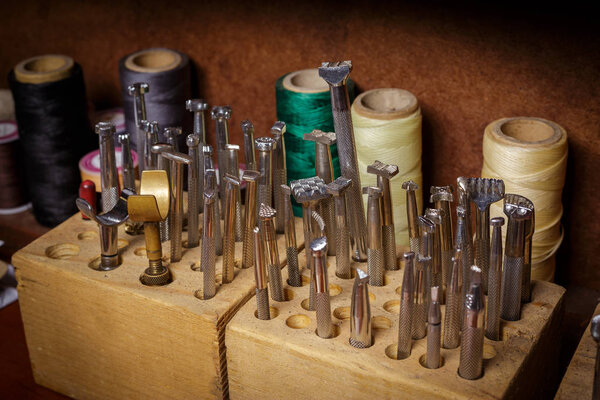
x,y
511,288
492,326
311,295
294,277
207,264
239,224
447,266
342,249
415,245
264,196
389,247
275,283
328,213
248,248
375,267
432,358
165,233
262,304
419,320
404,330
110,197
175,228
279,178
323,308
467,262
482,260
526,283
218,232
471,353
452,321
228,258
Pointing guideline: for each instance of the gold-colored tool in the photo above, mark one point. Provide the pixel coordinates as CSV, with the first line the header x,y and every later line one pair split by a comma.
x,y
150,207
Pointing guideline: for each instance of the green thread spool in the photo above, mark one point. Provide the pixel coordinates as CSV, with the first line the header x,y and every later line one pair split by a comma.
x,y
303,103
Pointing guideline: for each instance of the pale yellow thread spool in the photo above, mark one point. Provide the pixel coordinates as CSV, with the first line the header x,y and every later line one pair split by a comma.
x,y
387,127
530,155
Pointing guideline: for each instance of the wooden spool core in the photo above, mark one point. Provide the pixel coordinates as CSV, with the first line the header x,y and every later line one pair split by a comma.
x,y
386,104
527,132
305,81
44,69
153,60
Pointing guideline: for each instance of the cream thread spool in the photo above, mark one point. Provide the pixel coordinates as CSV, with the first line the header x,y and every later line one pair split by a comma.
x,y
530,155
387,127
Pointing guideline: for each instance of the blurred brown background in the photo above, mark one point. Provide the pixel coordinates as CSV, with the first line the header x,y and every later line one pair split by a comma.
x,y
468,65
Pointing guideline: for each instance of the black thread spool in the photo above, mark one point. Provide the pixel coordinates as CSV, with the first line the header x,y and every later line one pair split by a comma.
x,y
51,112
12,182
167,72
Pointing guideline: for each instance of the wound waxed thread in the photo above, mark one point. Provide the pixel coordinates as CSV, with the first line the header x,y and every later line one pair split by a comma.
x,y
304,104
54,133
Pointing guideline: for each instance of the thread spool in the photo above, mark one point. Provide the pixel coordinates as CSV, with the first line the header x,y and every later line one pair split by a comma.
x,y
530,155
114,115
13,197
387,127
7,106
304,104
54,130
89,166
167,73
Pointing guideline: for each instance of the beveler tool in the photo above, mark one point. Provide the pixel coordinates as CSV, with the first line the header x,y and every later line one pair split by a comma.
x,y
471,348
150,129
221,115
164,165
484,192
266,215
318,248
260,275
412,213
464,242
318,231
150,207
518,209
198,108
324,170
454,299
233,169
375,257
249,154
171,133
128,172
435,216
178,160
309,192
137,91
251,177
338,190
442,196
279,172
291,248
210,221
210,176
406,308
336,75
427,228
464,201
529,231
492,327
265,147
384,173
595,331
419,318
232,189
193,192
434,330
360,312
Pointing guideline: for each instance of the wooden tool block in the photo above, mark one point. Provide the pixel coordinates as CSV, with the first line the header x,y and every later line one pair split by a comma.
x,y
283,358
104,335
579,378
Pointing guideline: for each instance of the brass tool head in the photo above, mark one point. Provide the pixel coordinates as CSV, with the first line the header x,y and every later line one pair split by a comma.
x,y
387,171
335,73
309,189
152,204
485,191
319,136
339,186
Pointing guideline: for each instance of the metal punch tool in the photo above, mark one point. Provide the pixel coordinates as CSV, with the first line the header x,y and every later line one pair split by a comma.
x,y
529,231
454,300
291,248
435,216
137,91
419,318
324,170
336,75
172,134
427,228
266,215
412,213
319,231
471,347
233,169
442,196
150,129
164,165
375,259
484,192
309,192
464,242
193,191
131,227
249,153
251,177
260,275
318,249
150,207
265,147
595,332
464,201
434,330
210,176
518,210
209,254
198,108
232,190
406,308
492,327
360,312
279,172
338,190
384,173
221,115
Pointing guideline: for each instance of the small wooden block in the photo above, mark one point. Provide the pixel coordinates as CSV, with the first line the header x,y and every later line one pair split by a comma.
x,y
579,378
283,358
104,335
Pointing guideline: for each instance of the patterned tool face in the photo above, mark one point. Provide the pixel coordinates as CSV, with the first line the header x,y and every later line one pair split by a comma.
x,y
485,191
387,171
339,186
441,193
517,207
309,189
266,212
335,73
319,136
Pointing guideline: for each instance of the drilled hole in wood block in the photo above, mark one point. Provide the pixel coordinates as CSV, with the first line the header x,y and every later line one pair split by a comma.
x,y
335,332
392,306
95,263
305,280
122,243
273,313
62,251
288,294
342,313
298,321
334,289
381,322
399,290
489,351
196,266
392,351
423,358
372,296
304,304
87,235
140,251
